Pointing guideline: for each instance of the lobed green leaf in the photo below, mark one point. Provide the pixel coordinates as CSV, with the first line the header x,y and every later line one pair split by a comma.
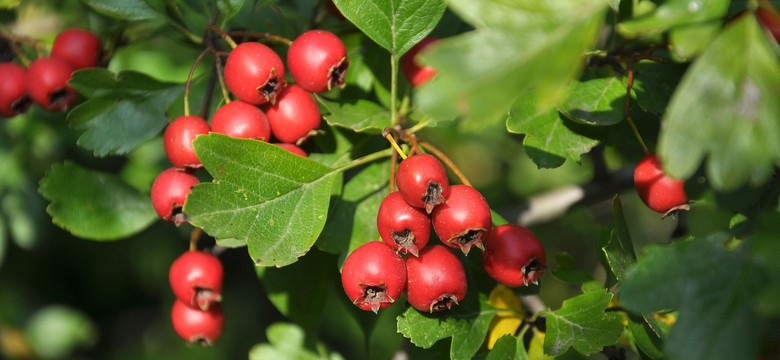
x,y
583,324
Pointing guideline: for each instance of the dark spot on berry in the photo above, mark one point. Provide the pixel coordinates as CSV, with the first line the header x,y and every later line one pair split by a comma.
x,y
338,73
404,238
21,104
444,302
60,99
271,87
433,196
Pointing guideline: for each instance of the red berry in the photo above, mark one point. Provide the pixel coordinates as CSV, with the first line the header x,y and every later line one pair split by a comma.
x,y
317,60
295,149
659,192
294,115
169,191
196,326
770,19
47,83
254,73
463,220
178,140
196,279
417,74
513,255
402,226
79,48
373,276
13,90
435,279
241,120
422,181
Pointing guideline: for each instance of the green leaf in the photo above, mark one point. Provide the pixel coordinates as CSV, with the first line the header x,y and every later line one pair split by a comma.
x,y
567,270
689,41
95,205
262,194
467,324
583,324
725,109
124,110
396,25
519,47
229,8
711,286
764,249
596,101
285,341
132,10
674,13
618,249
647,335
357,114
654,84
504,348
56,331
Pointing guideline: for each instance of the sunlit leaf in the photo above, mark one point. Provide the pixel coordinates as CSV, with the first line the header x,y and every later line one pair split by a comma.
x,y
674,13
583,324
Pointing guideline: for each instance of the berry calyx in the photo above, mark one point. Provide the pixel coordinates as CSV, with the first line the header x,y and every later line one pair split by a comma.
x,y
196,279
416,73
317,60
241,120
661,193
13,90
169,192
404,227
47,83
373,276
295,149
436,279
79,48
254,73
463,220
294,115
178,139
422,181
513,255
197,326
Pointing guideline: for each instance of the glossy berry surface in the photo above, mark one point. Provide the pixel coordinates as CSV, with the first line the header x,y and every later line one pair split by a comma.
x,y
402,226
241,120
78,47
317,60
254,73
169,191
13,90
658,191
47,83
196,279
422,181
294,115
197,326
513,255
178,139
464,219
373,276
295,149
416,73
436,279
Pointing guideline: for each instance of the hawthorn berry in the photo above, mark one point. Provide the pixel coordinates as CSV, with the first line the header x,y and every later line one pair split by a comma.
x,y
402,226
436,279
197,326
416,73
770,19
294,115
79,48
254,73
422,181
317,60
295,149
373,276
178,139
47,83
13,90
464,219
661,193
169,191
196,279
241,120
513,255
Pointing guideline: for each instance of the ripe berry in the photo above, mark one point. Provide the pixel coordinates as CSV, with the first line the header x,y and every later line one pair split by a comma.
x,y
169,191
79,48
659,192
254,73
417,74
295,149
435,279
196,326
317,60
47,83
422,181
241,120
513,255
373,276
294,115
196,279
178,140
463,220
770,19
13,90
402,226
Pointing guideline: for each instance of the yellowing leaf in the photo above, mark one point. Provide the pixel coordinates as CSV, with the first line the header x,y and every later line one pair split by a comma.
x,y
509,316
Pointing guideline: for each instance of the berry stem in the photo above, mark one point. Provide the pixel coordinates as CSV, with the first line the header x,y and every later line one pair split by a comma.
x,y
194,238
627,106
189,82
393,161
394,90
223,35
364,160
446,160
221,78
394,144
268,37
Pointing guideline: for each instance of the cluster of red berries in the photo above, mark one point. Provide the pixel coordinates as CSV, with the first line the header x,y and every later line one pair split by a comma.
x,y
196,281
375,274
45,80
